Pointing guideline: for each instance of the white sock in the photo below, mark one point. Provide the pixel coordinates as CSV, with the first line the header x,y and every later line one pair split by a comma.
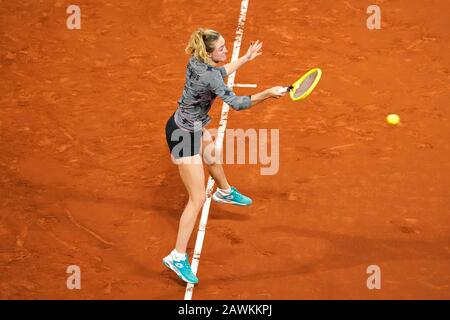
x,y
178,256
225,192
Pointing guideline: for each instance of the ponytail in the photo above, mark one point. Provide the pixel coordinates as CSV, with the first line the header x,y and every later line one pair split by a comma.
x,y
201,43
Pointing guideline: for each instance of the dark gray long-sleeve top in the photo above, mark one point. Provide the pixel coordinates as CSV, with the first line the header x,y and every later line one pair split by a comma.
x,y
203,84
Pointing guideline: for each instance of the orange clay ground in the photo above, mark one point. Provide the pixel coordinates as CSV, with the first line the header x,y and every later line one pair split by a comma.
x,y
86,178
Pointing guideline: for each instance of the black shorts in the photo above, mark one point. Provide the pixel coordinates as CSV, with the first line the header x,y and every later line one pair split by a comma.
x,y
182,143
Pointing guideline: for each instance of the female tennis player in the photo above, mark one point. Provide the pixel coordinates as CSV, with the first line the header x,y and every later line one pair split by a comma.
x,y
204,81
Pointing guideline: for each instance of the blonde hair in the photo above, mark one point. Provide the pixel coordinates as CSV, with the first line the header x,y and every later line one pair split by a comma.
x,y
201,43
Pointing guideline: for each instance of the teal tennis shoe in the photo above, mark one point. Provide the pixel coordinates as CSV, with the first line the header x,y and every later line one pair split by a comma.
x,y
234,197
182,268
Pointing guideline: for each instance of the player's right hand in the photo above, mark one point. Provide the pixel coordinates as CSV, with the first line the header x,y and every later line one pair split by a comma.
x,y
277,92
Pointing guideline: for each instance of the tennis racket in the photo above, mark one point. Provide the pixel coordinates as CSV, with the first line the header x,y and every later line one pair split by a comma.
x,y
301,88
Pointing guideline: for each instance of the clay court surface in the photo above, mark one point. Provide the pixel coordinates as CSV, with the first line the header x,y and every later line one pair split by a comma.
x,y
86,178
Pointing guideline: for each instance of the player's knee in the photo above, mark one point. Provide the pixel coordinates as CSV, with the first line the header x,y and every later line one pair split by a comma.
x,y
198,200
212,158
209,160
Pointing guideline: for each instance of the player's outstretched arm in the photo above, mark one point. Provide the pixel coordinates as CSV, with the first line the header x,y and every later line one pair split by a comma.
x,y
275,92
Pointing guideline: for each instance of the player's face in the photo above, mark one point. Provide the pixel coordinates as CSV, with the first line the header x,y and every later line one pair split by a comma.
x,y
220,51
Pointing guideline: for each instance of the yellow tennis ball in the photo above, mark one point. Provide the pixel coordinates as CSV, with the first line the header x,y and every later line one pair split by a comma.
x,y
393,119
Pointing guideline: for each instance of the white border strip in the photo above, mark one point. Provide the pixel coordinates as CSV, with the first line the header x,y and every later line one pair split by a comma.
x,y
243,85
219,143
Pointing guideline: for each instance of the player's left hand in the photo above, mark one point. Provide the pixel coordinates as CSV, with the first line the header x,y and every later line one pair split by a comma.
x,y
253,50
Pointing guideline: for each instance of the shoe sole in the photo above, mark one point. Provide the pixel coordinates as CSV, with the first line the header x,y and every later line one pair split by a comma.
x,y
169,265
215,198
